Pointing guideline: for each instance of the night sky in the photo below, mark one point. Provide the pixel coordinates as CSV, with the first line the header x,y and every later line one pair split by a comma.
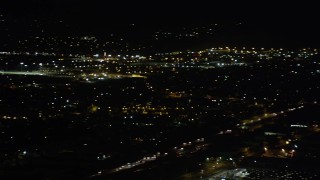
x,y
263,22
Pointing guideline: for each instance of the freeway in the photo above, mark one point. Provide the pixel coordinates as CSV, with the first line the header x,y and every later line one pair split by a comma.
x,y
32,73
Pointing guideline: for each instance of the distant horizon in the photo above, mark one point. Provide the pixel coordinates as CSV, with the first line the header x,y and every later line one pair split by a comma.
x,y
239,24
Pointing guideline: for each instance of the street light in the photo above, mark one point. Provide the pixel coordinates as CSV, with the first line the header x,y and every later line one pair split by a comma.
x,y
21,66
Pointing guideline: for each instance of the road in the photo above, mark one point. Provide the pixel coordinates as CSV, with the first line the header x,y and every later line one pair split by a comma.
x,y
32,73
